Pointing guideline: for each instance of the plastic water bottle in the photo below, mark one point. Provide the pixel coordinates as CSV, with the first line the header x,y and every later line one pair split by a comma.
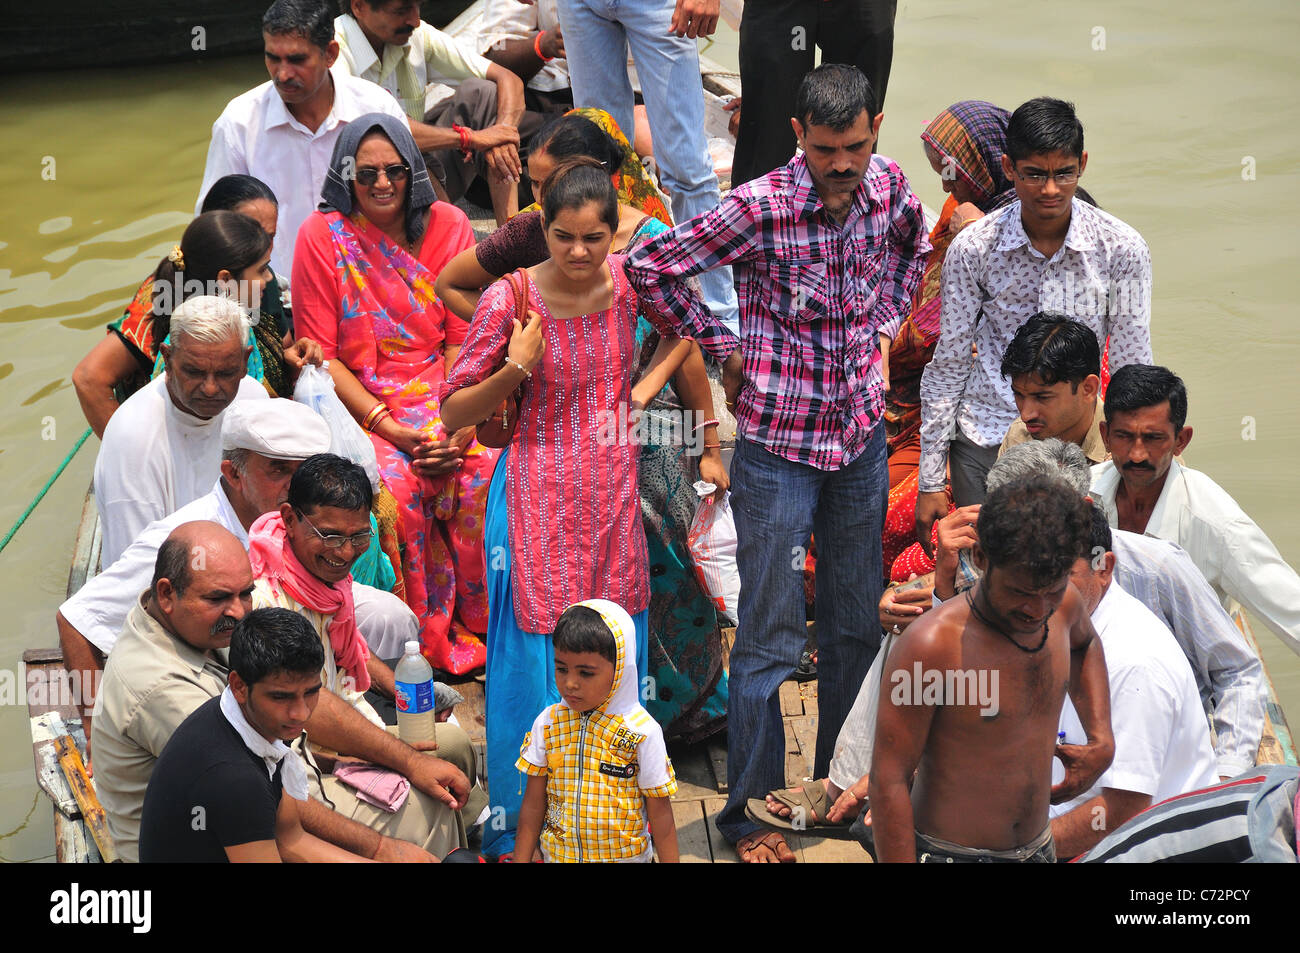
x,y
414,690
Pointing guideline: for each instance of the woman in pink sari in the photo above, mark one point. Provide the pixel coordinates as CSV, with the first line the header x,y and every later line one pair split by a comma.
x,y
364,268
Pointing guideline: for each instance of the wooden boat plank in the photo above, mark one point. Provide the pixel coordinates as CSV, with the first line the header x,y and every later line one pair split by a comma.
x,y
791,702
694,773
717,747
692,832
722,851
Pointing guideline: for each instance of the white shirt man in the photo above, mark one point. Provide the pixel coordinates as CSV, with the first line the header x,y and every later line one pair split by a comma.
x,y
1227,546
1162,742
155,458
257,135
419,75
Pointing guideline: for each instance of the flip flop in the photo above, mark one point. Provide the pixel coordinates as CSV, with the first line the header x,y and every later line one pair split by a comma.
x,y
809,802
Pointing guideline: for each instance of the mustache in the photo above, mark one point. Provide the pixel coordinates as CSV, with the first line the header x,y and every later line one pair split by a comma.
x,y
1137,466
223,625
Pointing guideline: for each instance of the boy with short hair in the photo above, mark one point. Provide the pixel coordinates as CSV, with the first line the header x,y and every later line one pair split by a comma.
x,y
596,762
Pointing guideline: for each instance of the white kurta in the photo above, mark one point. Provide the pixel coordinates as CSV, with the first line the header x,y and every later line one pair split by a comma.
x,y
155,458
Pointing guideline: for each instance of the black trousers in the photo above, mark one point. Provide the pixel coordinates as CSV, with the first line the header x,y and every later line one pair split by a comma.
x,y
777,41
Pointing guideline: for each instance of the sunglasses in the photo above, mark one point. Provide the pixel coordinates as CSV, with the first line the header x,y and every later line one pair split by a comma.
x,y
394,174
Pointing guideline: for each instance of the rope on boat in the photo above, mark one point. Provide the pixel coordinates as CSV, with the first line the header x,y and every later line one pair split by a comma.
x,y
45,489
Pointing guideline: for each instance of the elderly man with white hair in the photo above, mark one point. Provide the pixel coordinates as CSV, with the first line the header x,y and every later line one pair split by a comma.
x,y
262,444
162,449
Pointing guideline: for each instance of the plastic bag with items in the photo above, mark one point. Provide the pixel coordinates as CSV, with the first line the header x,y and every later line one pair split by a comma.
x,y
315,388
712,542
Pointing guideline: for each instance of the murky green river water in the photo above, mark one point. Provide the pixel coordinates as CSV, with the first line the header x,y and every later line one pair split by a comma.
x,y
1191,123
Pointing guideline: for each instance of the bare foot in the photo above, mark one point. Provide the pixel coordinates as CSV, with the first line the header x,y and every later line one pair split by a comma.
x,y
764,847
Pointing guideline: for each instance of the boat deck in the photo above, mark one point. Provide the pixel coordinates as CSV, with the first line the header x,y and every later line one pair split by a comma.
x,y
702,779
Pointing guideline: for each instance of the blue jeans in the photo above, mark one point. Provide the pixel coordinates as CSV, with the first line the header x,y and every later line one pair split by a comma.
x,y
777,504
597,35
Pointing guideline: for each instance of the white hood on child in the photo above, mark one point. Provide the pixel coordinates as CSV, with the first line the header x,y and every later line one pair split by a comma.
x,y
624,694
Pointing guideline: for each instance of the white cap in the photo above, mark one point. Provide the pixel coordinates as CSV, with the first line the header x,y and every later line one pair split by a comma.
x,y
412,647
277,428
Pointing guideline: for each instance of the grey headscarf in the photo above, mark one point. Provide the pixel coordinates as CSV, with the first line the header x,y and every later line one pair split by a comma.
x,y
336,194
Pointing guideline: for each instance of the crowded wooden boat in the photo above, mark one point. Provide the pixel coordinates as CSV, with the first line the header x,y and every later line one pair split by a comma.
x,y
81,834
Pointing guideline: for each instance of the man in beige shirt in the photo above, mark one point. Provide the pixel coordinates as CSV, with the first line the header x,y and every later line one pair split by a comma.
x,y
1054,366
171,658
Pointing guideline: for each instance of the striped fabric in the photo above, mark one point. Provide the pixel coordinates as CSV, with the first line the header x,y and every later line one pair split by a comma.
x,y
1250,819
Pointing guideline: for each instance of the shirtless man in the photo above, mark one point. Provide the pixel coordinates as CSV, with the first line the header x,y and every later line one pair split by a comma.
x,y
982,765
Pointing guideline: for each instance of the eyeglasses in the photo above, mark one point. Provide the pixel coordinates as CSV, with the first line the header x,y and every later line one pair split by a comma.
x,y
1037,179
360,542
395,174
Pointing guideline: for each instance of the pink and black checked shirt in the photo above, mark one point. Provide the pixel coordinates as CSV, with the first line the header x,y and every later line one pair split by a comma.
x,y
813,297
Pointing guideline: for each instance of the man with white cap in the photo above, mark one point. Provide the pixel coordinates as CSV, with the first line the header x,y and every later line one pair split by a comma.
x,y
263,442
162,448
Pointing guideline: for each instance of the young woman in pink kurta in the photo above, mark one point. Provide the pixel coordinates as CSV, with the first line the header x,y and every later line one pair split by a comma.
x,y
563,520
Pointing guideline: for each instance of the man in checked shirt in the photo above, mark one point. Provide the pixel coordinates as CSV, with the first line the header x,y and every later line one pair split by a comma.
x,y
827,251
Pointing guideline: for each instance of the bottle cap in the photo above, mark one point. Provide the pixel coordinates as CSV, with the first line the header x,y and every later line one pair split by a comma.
x,y
412,647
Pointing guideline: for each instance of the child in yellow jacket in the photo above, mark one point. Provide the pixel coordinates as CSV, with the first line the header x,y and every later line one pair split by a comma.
x,y
596,762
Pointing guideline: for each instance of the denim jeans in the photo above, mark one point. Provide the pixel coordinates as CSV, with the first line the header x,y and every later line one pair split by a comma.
x,y
597,35
777,504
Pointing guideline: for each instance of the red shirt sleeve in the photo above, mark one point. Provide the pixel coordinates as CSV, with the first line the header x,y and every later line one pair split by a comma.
x,y
485,344
315,285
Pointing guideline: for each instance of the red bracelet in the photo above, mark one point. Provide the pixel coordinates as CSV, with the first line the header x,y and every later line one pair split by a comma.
x,y
465,149
537,47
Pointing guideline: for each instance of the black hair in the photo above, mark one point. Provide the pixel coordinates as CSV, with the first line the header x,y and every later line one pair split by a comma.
x,y
231,191
1135,386
1100,541
834,95
575,182
1054,347
582,629
329,480
1044,125
1038,523
569,136
173,564
214,242
268,641
312,19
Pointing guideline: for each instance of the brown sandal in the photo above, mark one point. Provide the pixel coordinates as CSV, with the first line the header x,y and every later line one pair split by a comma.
x,y
752,841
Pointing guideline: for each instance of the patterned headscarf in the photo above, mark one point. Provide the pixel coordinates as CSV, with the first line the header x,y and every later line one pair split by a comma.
x,y
336,193
973,134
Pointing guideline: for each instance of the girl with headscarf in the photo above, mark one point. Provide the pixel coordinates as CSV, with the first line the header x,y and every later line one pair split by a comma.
x,y
364,267
685,640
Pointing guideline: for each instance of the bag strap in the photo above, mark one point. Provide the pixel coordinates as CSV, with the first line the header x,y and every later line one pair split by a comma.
x,y
519,285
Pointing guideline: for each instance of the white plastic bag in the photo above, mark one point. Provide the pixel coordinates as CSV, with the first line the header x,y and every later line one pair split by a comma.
x,y
315,388
712,542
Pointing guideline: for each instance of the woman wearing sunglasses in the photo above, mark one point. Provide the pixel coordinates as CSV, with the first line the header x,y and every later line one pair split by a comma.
x,y
363,274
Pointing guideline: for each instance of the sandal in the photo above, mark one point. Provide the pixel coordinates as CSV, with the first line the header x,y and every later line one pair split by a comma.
x,y
809,803
752,841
